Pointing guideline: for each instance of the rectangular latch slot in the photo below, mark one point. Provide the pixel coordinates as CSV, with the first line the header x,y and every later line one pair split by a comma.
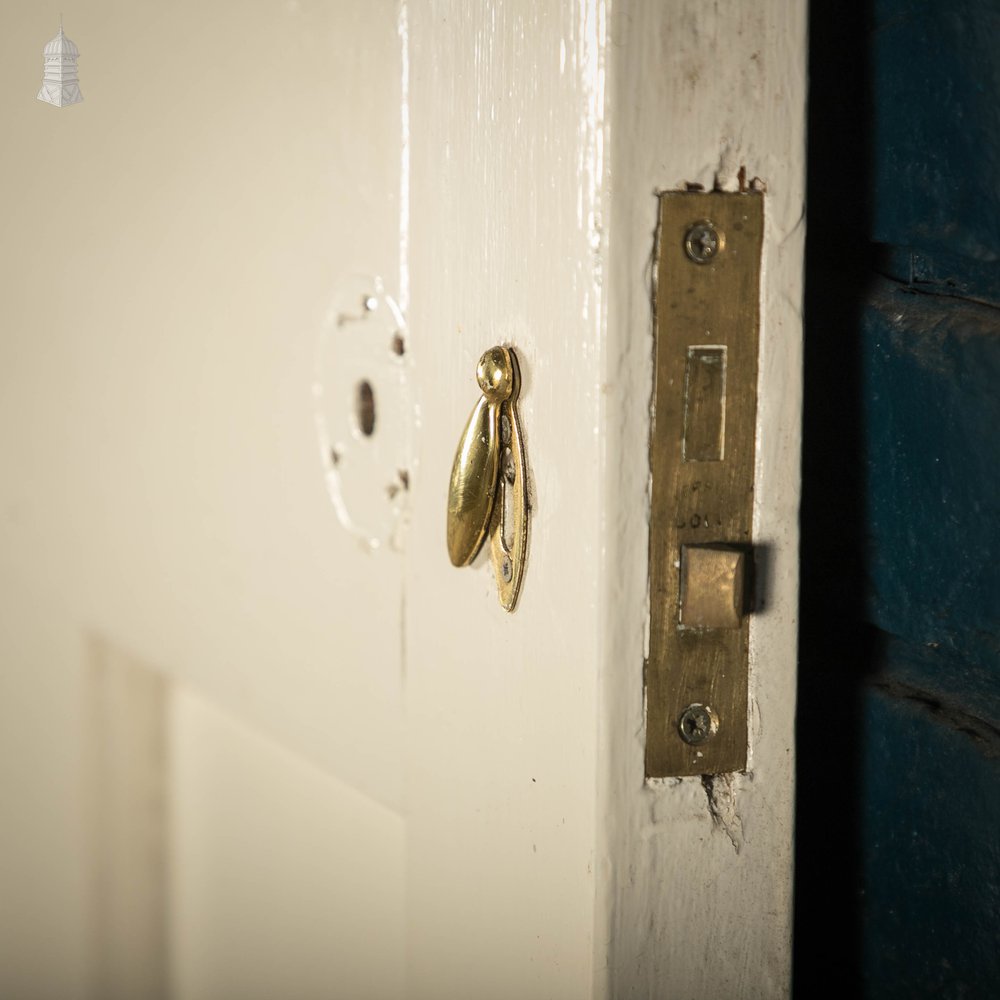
x,y
705,405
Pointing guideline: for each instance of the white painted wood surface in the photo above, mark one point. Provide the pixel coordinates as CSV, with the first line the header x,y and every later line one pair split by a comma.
x,y
541,862
157,406
506,112
163,504
696,899
169,251
285,881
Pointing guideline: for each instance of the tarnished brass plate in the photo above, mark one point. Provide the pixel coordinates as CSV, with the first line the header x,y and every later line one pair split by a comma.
x,y
702,462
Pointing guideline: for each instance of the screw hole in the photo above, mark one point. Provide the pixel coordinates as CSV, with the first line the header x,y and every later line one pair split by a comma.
x,y
397,346
364,408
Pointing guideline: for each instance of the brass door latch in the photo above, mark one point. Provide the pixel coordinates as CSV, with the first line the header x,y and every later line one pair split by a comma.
x,y
488,493
702,450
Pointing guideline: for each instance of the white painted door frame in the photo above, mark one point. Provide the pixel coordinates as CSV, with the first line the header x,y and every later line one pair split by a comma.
x,y
698,895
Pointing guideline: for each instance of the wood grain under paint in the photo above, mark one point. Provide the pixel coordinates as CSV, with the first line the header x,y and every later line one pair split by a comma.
x,y
506,118
696,891
541,864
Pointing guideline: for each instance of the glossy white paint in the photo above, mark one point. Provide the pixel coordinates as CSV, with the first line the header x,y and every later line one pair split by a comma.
x,y
364,410
506,116
541,862
162,505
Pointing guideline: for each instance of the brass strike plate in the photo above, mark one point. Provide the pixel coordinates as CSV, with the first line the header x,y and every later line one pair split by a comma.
x,y
702,462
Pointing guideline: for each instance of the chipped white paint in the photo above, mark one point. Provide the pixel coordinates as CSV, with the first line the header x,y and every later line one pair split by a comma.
x,y
696,898
161,491
364,412
541,863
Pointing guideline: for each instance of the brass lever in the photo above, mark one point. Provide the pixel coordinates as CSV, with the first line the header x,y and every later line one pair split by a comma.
x,y
488,478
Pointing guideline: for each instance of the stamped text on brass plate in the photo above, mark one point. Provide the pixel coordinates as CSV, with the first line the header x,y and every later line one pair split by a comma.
x,y
702,462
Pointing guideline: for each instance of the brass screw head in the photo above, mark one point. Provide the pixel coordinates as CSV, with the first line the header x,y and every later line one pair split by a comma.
x,y
697,724
703,242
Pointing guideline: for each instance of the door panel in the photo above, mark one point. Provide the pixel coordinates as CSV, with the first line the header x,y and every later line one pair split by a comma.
x,y
169,489
284,879
170,248
930,365
170,552
901,672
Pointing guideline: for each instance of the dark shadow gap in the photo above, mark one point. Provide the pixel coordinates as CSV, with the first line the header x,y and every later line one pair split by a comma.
x,y
834,646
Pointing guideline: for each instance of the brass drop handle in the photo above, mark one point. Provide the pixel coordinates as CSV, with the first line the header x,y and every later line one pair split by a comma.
x,y
488,493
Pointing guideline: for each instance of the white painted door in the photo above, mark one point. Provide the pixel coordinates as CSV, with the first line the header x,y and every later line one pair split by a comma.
x,y
246,753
